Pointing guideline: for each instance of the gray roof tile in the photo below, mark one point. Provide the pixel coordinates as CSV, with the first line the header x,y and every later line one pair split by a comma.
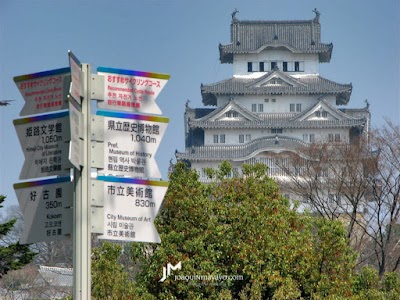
x,y
240,152
254,36
310,85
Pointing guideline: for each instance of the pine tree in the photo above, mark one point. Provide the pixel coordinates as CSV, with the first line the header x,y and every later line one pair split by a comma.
x,y
12,256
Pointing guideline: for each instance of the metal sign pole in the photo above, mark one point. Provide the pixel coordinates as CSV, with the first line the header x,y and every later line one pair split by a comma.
x,y
82,212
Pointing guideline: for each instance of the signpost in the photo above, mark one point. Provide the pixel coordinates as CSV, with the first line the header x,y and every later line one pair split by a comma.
x,y
45,205
130,208
131,142
44,92
58,137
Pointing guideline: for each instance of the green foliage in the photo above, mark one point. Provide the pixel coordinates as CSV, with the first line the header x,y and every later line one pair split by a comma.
x,y
109,280
368,285
12,256
242,226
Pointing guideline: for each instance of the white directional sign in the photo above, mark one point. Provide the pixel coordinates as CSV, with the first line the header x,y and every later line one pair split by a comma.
x,y
45,207
76,90
132,91
131,142
130,207
44,92
44,141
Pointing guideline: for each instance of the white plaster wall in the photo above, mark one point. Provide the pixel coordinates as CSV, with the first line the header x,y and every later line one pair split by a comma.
x,y
232,135
311,63
281,104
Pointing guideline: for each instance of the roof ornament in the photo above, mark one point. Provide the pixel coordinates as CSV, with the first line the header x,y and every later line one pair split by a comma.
x,y
317,14
187,103
233,14
366,103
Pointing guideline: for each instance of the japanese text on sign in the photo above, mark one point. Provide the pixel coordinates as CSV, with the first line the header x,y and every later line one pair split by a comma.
x,y
43,92
133,91
130,208
45,205
44,143
131,142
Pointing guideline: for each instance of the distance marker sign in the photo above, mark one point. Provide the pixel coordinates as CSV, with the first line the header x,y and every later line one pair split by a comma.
x,y
130,207
45,205
44,92
44,141
131,142
131,91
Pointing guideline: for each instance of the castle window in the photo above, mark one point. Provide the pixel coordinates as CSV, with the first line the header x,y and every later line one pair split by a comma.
x,y
248,137
292,107
261,66
261,107
249,67
231,114
324,114
266,100
241,138
298,107
330,138
337,137
296,66
299,66
254,107
273,100
318,114
222,138
285,66
309,137
273,64
215,138
276,130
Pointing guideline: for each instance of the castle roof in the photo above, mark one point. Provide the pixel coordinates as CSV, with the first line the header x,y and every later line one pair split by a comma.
x,y
306,119
308,84
298,36
241,152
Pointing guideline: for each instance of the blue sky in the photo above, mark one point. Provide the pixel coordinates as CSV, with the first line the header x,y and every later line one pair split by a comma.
x,y
181,38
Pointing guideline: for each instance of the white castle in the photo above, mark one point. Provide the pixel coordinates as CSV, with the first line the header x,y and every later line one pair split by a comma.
x,y
275,102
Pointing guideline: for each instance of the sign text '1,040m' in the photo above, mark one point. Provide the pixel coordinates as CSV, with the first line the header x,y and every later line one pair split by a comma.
x,y
143,138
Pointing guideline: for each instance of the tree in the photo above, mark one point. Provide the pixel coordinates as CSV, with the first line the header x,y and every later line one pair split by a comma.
x,y
12,255
50,253
385,206
243,228
358,183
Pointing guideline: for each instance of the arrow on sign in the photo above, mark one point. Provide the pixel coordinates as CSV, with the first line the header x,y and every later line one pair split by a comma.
x,y
45,205
128,90
131,142
44,140
44,92
130,207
